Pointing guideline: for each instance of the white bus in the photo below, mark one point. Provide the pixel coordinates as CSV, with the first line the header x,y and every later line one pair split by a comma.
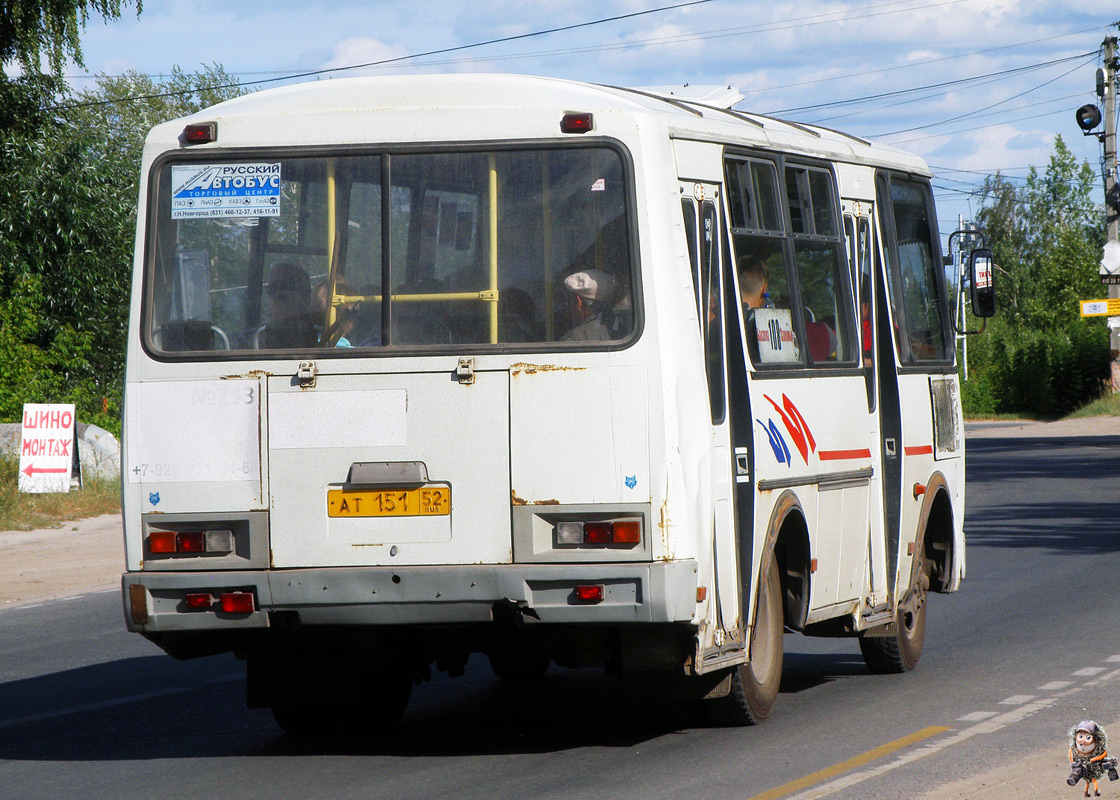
x,y
421,367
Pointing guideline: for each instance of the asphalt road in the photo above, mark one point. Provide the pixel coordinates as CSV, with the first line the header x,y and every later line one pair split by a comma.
x,y
1027,648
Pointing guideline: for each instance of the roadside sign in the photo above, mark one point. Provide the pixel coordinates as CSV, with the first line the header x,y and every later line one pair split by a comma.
x,y
1110,263
46,448
1101,308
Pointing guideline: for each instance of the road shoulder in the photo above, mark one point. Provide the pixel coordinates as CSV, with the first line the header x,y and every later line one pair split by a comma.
x,y
51,563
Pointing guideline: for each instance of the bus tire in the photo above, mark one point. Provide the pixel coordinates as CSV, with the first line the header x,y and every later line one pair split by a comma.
x,y
888,655
754,686
378,705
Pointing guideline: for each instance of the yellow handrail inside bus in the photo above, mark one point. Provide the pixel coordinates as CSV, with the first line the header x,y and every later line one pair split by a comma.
x,y
493,249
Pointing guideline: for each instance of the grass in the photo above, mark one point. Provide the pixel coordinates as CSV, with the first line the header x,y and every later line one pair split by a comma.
x,y
24,512
1107,405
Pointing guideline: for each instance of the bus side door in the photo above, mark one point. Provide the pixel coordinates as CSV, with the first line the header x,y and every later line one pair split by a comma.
x,y
922,376
700,207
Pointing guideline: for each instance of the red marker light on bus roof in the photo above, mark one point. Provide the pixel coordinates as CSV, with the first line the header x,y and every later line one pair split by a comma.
x,y
200,133
576,123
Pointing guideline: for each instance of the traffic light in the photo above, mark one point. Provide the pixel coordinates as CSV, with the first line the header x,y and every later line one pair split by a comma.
x,y
1113,197
1088,117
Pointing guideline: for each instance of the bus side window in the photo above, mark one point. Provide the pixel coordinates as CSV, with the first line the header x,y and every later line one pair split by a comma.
x,y
917,286
703,255
688,210
757,240
823,278
713,318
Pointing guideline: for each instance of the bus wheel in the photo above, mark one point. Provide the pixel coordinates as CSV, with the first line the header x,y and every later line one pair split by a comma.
x,y
886,655
754,686
379,704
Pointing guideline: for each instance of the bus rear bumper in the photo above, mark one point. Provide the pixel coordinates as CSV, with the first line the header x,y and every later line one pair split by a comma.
x,y
631,593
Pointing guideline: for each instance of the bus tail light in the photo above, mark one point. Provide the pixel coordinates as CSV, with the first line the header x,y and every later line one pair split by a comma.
x,y
237,602
590,593
220,541
627,531
191,542
599,532
569,533
162,542
198,601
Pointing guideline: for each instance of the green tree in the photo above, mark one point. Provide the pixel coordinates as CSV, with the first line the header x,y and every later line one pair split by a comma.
x,y
68,198
1039,356
30,30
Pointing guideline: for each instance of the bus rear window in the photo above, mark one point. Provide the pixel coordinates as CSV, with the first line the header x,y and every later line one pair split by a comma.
x,y
502,248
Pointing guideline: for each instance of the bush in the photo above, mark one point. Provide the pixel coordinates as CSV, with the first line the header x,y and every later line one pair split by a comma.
x,y
1017,370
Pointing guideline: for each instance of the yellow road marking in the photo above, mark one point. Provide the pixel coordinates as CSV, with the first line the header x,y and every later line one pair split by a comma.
x,y
852,763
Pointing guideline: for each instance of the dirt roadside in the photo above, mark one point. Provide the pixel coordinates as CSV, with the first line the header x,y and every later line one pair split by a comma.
x,y
51,563
88,556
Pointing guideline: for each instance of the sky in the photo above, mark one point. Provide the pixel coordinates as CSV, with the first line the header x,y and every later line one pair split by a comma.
x,y
972,86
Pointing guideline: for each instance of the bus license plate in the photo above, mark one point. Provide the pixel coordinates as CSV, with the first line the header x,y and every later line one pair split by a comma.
x,y
429,501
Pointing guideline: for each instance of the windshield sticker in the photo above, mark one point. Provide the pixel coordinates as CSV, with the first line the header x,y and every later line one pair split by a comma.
x,y
225,190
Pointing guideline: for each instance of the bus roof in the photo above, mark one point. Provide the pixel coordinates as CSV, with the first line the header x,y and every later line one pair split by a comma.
x,y
338,112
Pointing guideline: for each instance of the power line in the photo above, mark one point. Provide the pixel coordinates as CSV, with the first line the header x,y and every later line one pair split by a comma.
x,y
765,27
718,33
915,63
974,128
458,48
943,84
978,111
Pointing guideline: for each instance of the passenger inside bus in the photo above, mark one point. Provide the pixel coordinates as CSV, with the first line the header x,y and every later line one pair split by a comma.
x,y
865,321
335,332
290,322
603,308
754,284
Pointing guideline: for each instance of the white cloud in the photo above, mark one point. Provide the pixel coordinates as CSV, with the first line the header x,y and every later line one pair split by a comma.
x,y
362,50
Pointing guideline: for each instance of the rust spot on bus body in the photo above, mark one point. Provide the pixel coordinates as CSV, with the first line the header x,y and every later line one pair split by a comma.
x,y
518,501
663,525
255,373
532,369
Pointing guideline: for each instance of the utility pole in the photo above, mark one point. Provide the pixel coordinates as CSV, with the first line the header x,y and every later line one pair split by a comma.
x,y
1111,213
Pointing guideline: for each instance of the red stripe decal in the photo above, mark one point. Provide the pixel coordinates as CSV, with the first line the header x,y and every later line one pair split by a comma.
x,y
923,450
842,455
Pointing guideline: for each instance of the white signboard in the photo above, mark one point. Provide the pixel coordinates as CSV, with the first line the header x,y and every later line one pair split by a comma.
x,y
299,420
1110,261
193,431
777,343
225,190
983,273
46,448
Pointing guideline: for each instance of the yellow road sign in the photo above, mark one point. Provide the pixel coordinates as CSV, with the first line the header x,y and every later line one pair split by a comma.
x,y
1101,308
